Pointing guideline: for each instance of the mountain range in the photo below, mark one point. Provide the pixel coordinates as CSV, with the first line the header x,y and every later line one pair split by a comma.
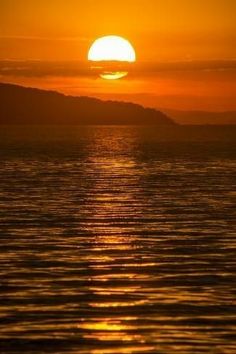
x,y
21,105
202,117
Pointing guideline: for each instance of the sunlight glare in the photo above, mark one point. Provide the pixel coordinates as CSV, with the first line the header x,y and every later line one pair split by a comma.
x,y
112,48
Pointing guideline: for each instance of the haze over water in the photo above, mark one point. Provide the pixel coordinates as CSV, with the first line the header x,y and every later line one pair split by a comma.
x,y
117,240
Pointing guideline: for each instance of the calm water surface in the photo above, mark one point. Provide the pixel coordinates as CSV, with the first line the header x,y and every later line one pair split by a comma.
x,y
116,240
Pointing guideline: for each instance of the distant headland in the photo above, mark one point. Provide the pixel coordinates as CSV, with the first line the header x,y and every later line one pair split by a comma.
x,y
20,105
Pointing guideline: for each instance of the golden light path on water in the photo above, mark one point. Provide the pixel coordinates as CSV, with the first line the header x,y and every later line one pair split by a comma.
x,y
105,251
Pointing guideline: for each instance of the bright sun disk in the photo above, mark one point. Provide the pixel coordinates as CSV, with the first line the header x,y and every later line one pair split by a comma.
x,y
113,49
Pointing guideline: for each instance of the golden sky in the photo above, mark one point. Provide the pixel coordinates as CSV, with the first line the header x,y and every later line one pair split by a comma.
x,y
186,49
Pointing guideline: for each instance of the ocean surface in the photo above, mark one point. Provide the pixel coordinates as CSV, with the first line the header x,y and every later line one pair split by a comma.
x,y
117,240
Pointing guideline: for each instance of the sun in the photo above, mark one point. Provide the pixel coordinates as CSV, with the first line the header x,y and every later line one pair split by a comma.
x,y
113,49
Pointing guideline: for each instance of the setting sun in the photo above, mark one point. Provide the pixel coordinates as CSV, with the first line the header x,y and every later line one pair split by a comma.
x,y
112,49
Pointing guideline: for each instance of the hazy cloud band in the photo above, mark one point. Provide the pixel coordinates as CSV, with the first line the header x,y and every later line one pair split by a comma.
x,y
84,69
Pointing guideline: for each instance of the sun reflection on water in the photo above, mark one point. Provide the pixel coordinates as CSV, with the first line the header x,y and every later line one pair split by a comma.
x,y
104,253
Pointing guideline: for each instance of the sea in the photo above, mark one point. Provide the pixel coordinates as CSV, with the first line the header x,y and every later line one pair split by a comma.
x,y
117,240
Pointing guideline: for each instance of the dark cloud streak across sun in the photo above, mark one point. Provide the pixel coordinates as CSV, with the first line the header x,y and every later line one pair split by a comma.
x,y
143,70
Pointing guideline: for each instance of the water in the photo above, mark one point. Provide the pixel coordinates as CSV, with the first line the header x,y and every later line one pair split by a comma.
x,y
117,240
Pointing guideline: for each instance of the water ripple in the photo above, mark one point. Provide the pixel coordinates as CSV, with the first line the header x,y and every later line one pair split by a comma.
x,y
111,243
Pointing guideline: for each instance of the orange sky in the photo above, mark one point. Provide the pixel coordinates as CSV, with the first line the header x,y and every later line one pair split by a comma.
x,y
185,49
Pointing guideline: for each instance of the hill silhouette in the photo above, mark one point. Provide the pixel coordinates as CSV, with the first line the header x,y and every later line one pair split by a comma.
x,y
21,105
202,117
